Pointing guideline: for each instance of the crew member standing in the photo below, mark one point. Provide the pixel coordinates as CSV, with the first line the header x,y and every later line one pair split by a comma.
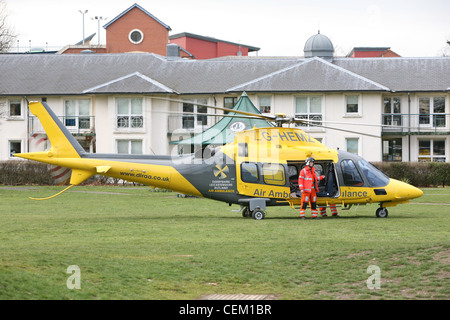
x,y
334,212
308,185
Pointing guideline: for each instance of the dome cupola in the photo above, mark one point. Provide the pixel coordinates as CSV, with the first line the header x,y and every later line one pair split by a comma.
x,y
319,46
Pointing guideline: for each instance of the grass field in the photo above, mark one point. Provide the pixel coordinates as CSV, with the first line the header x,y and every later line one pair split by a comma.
x,y
131,243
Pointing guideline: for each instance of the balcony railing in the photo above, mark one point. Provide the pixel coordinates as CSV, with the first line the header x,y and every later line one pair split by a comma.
x,y
77,125
438,123
189,123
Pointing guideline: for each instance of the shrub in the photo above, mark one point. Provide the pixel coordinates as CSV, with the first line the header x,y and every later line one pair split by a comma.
x,y
439,173
17,172
419,174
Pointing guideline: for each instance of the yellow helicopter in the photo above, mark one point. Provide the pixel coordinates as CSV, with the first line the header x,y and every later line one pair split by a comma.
x,y
257,170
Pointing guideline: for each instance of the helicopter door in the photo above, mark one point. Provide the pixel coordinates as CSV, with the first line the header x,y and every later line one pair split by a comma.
x,y
328,187
266,180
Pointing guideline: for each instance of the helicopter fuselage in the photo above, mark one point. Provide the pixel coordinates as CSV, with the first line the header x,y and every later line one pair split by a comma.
x,y
258,169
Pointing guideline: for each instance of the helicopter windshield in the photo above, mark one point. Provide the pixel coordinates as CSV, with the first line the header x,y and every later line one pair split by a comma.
x,y
375,177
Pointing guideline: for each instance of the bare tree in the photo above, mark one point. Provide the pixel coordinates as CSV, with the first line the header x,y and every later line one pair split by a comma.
x,y
7,34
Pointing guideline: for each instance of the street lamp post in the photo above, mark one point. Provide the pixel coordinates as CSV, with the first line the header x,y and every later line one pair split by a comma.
x,y
83,13
98,18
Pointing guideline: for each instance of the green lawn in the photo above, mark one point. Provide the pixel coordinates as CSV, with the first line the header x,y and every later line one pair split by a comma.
x,y
131,243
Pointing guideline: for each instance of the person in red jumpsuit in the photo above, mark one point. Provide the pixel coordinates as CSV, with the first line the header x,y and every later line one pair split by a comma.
x,y
308,185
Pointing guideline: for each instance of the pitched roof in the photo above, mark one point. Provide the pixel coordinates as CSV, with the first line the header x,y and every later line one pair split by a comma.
x,y
402,74
321,76
210,39
135,80
140,8
150,73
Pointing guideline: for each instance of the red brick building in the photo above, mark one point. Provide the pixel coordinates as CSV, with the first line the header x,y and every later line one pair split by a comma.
x,y
137,30
206,47
372,52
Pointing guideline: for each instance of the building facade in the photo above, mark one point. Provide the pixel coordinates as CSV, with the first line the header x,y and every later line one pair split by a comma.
x,y
116,103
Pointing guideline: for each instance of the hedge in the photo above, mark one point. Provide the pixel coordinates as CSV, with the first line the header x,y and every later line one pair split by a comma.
x,y
17,172
419,174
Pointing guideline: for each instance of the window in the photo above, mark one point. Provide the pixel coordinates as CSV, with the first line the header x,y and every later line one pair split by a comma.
x,y
375,177
15,147
392,109
350,174
308,108
352,104
15,108
265,104
129,113
249,172
432,150
352,145
229,103
392,149
432,112
77,113
129,146
195,117
273,173
136,36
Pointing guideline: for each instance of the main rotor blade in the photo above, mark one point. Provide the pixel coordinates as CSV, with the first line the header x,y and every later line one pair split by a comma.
x,y
349,131
255,117
260,116
298,120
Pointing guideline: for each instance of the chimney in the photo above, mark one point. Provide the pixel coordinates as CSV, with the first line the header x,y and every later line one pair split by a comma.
x,y
173,51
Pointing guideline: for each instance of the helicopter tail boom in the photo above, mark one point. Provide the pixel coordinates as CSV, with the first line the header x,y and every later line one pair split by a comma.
x,y
64,147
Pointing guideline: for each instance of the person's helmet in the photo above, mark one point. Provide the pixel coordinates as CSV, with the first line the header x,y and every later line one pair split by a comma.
x,y
310,159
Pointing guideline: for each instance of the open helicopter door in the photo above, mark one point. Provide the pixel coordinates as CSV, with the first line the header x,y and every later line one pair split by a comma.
x,y
328,187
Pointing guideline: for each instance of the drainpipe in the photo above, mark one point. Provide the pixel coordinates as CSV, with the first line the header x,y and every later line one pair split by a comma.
x,y
409,127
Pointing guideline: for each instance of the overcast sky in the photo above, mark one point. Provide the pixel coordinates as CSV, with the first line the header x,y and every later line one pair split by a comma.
x,y
412,28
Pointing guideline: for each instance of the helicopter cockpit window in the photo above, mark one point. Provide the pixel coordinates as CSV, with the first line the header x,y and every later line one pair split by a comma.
x,y
273,173
375,177
350,174
249,172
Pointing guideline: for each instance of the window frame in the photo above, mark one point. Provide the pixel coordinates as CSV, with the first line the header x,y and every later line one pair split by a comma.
x,y
231,100
358,141
431,157
10,151
263,108
20,107
130,117
140,40
309,115
429,118
278,182
358,112
199,121
344,166
392,149
256,170
394,115
79,120
130,146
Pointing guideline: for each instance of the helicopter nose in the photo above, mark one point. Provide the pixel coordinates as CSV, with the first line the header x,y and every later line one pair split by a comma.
x,y
404,190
